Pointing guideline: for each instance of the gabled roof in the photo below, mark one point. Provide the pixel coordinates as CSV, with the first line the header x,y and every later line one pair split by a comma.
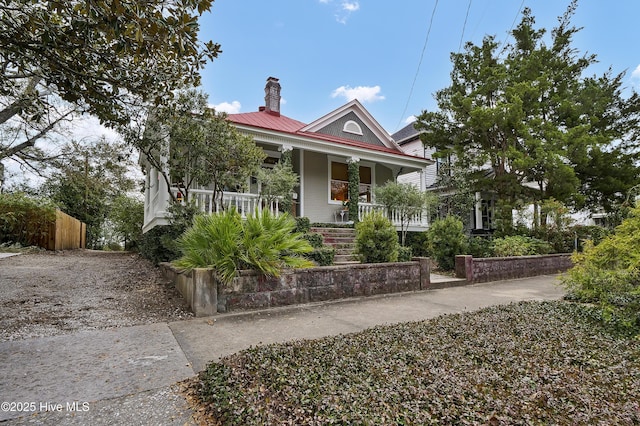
x,y
356,107
267,121
281,123
407,134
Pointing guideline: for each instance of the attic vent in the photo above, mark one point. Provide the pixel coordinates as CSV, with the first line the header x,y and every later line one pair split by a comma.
x,y
352,127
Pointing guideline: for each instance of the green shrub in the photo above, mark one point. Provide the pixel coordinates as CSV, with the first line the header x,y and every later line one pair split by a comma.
x,y
519,245
417,241
445,240
322,256
480,247
315,240
595,234
404,254
376,239
303,224
226,243
25,220
160,243
609,274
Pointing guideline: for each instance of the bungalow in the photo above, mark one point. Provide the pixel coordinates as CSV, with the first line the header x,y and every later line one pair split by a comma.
x,y
320,152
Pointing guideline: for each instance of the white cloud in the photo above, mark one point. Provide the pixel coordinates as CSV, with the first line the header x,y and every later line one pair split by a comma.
x,y
410,119
229,108
344,9
361,93
350,6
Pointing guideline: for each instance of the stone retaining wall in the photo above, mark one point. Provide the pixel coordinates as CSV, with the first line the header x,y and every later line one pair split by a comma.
x,y
502,268
251,290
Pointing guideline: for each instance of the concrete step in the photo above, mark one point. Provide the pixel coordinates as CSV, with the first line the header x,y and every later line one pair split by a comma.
x,y
341,259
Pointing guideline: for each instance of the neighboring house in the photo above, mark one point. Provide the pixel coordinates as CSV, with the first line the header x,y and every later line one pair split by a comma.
x,y
481,218
320,153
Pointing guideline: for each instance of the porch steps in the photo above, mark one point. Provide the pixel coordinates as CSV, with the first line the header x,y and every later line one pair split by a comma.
x,y
342,240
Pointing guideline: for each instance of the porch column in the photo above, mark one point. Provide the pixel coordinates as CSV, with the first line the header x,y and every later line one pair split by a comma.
x,y
301,190
353,173
478,210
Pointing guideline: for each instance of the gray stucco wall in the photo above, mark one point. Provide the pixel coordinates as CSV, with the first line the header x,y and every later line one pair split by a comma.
x,y
335,129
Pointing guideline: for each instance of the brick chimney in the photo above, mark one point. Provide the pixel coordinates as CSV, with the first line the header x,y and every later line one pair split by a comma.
x,y
272,96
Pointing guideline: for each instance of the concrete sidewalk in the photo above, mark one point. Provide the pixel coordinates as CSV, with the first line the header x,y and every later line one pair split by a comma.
x,y
126,375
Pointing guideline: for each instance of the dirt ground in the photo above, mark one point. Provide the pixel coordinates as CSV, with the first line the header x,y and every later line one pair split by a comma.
x,y
46,294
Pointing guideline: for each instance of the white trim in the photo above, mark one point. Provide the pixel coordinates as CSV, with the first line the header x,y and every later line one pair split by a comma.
x,y
360,111
301,176
315,145
352,127
334,159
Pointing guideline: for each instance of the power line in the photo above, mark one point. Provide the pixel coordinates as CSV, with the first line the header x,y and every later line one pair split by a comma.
x,y
464,26
406,106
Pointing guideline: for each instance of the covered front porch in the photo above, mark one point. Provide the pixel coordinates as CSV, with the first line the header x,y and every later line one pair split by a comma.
x,y
248,204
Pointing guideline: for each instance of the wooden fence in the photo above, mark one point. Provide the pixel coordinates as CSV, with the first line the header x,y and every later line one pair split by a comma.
x,y
66,233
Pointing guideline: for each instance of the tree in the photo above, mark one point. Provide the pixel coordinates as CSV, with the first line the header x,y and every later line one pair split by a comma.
x,y
403,200
278,182
102,57
531,117
87,180
127,216
190,144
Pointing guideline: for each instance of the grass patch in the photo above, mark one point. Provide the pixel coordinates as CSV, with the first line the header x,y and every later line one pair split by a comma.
x,y
526,363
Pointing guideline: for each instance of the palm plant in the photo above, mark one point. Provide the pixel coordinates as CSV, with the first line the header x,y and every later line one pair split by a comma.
x,y
226,243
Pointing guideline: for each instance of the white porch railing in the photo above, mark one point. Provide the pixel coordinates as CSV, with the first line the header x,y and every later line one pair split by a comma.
x,y
244,203
418,220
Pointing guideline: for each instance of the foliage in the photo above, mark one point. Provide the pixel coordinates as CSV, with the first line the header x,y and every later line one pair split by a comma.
x,y
526,363
376,239
519,245
404,199
190,144
457,196
417,242
323,256
595,234
87,179
278,183
127,216
404,254
527,112
315,240
226,243
609,274
103,57
159,243
303,224
354,190
479,247
25,220
446,240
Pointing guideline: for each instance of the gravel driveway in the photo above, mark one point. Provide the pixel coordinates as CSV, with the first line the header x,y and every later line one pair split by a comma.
x,y
46,293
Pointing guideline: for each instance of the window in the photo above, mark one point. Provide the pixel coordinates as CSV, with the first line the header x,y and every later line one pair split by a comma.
x,y
487,207
340,182
352,127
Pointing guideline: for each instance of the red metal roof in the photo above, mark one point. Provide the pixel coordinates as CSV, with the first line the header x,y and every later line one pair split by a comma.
x,y
281,123
268,121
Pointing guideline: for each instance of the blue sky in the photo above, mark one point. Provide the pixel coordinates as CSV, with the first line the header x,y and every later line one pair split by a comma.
x,y
325,52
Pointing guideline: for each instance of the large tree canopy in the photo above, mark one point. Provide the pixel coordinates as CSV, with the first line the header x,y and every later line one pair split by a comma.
x,y
101,57
528,112
192,145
